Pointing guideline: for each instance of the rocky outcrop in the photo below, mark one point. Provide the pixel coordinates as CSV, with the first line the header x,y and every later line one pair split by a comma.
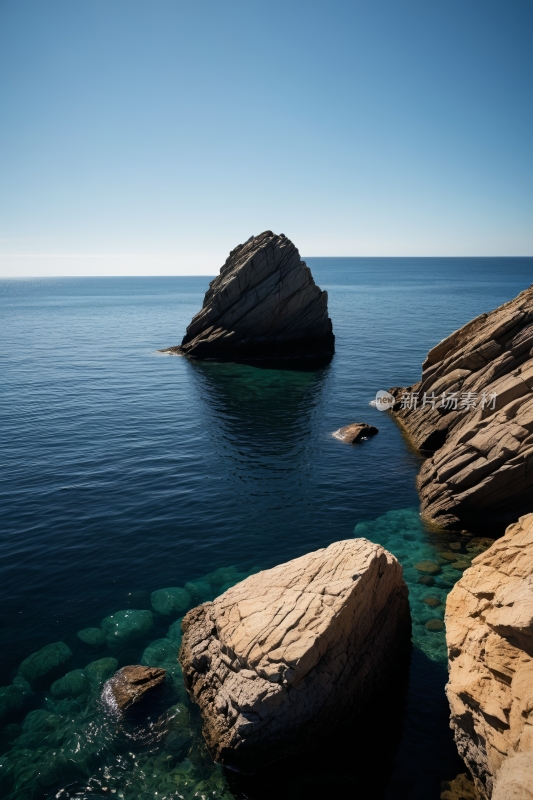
x,y
277,660
489,630
355,432
474,406
130,684
264,304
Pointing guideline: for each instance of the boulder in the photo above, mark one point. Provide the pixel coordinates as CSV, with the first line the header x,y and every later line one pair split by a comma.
x,y
40,669
98,672
130,684
95,637
72,684
173,600
355,432
278,660
489,632
482,470
124,627
263,304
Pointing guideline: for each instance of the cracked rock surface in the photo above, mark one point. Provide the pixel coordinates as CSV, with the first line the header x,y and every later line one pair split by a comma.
x,y
279,659
264,304
489,632
483,464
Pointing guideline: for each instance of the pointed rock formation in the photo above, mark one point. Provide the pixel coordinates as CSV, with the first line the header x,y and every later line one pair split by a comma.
x,y
130,684
474,406
489,632
264,304
278,660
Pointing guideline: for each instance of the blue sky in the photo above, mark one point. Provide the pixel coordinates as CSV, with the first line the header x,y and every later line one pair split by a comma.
x,y
151,137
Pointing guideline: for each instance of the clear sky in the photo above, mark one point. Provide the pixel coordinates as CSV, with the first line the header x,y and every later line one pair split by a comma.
x,y
150,137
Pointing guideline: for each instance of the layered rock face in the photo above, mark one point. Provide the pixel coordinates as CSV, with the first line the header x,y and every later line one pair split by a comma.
x,y
484,460
264,304
489,631
277,661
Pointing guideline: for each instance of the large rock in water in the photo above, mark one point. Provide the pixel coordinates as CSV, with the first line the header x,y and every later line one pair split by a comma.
x,y
489,630
279,659
483,467
264,304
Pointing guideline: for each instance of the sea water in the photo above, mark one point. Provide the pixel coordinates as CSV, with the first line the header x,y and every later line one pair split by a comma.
x,y
126,471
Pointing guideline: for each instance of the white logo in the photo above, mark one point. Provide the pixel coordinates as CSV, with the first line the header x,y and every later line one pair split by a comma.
x,y
384,401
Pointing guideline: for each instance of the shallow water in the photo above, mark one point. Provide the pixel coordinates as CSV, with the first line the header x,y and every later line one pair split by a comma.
x,y
127,471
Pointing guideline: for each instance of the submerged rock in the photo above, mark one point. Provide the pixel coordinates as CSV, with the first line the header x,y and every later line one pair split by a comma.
x,y
170,601
483,429
279,659
355,432
489,624
124,627
98,672
130,684
264,304
46,665
72,684
95,637
11,700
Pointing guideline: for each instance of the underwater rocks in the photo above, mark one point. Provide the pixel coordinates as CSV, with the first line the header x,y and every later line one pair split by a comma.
x,y
263,304
278,660
46,665
355,432
483,464
170,601
130,684
95,637
124,627
489,631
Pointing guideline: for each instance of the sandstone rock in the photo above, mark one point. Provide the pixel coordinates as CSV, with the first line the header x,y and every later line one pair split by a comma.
x,y
514,780
130,684
483,462
276,661
355,432
264,304
489,631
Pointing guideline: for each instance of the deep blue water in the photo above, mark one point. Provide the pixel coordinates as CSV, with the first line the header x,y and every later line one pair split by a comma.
x,y
126,470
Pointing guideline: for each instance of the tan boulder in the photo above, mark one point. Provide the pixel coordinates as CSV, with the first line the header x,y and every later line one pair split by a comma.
x,y
489,631
277,660
355,432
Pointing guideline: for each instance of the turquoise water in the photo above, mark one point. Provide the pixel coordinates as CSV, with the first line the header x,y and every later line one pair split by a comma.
x,y
127,471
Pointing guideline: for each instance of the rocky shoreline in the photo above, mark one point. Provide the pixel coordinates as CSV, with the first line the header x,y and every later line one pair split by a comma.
x,y
473,410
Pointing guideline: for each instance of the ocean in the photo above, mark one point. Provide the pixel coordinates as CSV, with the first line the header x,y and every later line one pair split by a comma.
x,y
126,470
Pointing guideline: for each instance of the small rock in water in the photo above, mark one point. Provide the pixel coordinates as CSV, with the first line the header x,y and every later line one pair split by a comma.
x,y
460,565
98,672
432,601
95,637
355,432
173,600
455,545
198,589
71,685
426,580
130,684
46,665
435,625
127,626
428,566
